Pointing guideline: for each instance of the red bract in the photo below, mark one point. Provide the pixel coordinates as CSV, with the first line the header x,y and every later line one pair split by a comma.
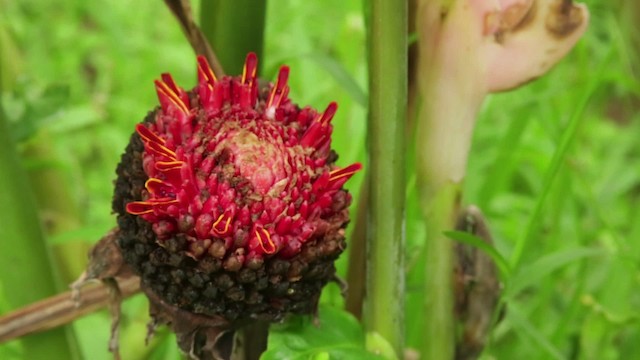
x,y
237,169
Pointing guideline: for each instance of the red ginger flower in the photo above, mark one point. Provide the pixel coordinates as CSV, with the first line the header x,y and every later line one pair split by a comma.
x,y
253,174
228,199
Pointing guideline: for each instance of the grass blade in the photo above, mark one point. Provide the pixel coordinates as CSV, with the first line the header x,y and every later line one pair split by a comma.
x,y
533,273
556,162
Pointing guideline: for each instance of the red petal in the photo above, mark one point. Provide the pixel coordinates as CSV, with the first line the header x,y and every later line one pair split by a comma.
x,y
169,165
328,113
148,135
158,187
250,69
280,90
182,95
205,71
339,176
139,207
169,98
161,150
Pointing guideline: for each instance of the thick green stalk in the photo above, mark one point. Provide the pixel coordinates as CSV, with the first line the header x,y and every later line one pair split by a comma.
x,y
233,28
457,67
383,311
450,92
444,130
438,327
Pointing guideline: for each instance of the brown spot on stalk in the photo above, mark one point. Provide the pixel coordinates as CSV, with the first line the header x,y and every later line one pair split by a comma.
x,y
527,19
514,15
515,18
563,19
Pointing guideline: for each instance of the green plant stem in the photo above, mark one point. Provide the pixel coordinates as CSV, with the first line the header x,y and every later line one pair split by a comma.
x,y
438,295
24,254
57,207
26,269
9,60
383,311
450,93
234,28
449,100
357,254
443,131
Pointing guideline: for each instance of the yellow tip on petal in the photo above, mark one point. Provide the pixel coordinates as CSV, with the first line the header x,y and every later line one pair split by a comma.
x,y
139,207
162,150
203,66
164,89
264,239
250,68
148,135
280,90
222,224
344,172
168,165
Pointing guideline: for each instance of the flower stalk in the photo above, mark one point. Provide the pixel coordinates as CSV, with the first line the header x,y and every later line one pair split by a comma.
x,y
383,310
468,49
234,29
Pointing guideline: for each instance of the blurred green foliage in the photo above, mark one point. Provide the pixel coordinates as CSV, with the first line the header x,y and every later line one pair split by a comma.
x,y
337,335
87,78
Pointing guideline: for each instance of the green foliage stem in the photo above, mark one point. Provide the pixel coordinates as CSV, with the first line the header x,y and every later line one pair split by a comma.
x,y
383,310
234,28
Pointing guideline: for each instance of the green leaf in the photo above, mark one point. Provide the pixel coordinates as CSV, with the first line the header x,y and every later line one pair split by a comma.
x,y
32,108
535,272
525,327
470,239
342,76
337,335
377,344
558,159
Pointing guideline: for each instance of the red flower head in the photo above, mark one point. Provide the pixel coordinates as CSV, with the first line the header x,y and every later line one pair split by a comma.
x,y
232,174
